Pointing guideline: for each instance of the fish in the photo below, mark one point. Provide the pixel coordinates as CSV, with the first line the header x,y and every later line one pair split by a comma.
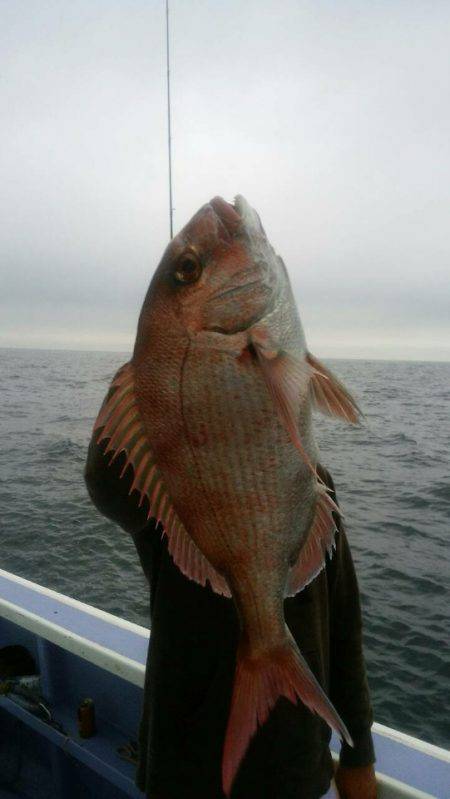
x,y
214,414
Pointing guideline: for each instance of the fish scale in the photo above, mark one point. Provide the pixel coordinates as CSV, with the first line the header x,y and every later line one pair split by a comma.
x,y
223,401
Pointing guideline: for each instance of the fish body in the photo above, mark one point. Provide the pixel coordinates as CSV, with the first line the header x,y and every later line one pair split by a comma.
x,y
214,412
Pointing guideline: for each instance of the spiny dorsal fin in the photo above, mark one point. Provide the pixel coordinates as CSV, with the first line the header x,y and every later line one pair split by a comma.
x,y
319,541
329,395
192,563
120,421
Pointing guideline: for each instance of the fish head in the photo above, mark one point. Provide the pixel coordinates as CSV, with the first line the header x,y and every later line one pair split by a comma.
x,y
219,273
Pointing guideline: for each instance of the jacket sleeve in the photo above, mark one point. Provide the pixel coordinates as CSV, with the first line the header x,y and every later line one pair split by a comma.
x,y
349,690
110,494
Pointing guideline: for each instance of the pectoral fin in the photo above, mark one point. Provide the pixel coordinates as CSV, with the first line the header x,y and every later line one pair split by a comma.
x,y
120,421
329,395
287,378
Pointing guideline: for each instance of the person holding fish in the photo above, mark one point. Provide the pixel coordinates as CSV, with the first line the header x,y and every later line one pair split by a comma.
x,y
204,451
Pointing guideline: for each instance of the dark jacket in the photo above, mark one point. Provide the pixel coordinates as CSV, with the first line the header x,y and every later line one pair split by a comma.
x,y
190,670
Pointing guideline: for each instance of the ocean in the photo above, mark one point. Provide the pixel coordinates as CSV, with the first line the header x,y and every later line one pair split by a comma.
x,y
392,477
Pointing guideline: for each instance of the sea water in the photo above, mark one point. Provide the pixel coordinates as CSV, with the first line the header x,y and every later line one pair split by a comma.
x,y
393,482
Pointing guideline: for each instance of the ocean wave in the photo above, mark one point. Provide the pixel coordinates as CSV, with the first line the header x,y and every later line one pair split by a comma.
x,y
441,491
63,448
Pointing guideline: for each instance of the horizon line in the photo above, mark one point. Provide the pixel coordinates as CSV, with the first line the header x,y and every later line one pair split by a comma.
x,y
326,357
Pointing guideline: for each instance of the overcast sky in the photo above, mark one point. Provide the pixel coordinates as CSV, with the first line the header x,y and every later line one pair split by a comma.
x,y
331,117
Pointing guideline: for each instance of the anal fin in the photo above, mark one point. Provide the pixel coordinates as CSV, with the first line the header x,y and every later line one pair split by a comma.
x,y
319,542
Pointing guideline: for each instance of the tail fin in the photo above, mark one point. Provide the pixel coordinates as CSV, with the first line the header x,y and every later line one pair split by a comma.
x,y
258,683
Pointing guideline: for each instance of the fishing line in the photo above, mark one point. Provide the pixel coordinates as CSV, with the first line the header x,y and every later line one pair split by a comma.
x,y
169,122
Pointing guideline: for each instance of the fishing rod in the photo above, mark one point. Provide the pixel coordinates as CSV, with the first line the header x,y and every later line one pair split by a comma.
x,y
169,122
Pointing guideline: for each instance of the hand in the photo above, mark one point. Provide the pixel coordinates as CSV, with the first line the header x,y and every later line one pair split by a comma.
x,y
356,783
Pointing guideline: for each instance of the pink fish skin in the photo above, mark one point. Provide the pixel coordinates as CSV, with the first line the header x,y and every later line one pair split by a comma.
x,y
222,388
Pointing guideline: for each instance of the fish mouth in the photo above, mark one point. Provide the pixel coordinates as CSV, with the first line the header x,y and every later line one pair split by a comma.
x,y
227,214
238,217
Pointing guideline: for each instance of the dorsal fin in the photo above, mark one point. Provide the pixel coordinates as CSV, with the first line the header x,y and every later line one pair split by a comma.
x,y
119,420
329,395
319,541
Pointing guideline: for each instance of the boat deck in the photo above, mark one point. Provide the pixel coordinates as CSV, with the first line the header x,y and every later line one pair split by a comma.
x,y
82,651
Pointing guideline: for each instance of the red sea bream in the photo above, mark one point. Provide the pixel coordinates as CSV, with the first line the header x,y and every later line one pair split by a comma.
x,y
214,414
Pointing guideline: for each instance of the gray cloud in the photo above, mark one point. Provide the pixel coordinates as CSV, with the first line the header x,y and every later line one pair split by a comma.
x,y
333,119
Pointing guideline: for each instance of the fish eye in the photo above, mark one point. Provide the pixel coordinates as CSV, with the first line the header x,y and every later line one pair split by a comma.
x,y
188,269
